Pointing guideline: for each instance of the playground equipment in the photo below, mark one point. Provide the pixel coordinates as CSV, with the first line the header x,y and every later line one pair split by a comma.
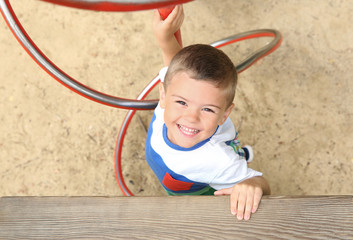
x,y
132,104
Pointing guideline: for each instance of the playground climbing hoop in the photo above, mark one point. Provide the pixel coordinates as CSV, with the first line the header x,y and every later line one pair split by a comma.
x,y
131,104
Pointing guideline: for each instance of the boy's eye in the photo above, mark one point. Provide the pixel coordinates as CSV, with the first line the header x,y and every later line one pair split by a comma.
x,y
208,110
181,103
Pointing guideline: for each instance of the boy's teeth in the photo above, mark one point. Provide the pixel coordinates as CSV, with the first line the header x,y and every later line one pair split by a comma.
x,y
189,131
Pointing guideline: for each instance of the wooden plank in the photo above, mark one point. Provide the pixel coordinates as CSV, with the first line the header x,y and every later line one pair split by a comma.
x,y
185,217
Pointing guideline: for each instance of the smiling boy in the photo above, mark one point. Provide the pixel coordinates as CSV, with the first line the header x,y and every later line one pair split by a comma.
x,y
191,144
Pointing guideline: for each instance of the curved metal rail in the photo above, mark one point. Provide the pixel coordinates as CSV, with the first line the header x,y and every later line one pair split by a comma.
x,y
109,100
260,53
117,5
132,104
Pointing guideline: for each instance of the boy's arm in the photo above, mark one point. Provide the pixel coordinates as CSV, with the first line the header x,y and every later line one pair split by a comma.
x,y
246,196
164,32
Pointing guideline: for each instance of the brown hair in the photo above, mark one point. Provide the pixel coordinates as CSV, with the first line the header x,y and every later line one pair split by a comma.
x,y
206,63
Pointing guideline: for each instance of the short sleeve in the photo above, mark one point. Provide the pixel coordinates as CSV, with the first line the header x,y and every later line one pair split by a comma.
x,y
162,73
233,173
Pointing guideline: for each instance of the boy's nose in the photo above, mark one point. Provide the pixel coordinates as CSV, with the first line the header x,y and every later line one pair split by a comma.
x,y
191,115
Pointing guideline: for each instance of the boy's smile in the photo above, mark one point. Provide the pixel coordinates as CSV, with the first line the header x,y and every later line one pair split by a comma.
x,y
188,131
193,109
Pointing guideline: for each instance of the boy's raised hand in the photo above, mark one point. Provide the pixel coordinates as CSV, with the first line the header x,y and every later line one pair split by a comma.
x,y
245,196
164,32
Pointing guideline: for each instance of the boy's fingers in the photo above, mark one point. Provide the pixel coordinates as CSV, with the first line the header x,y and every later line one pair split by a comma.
x,y
249,206
173,14
157,16
234,203
181,20
241,206
177,13
257,199
179,8
225,191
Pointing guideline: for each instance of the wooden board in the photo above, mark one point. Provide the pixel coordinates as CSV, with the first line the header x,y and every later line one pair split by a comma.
x,y
184,217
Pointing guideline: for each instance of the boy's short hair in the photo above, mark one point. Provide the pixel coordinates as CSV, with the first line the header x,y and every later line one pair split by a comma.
x,y
207,63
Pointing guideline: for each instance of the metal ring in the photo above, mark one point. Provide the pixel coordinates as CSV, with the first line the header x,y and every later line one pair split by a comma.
x,y
260,53
117,5
109,100
139,103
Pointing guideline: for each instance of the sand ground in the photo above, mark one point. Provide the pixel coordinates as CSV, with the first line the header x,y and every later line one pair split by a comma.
x,y
295,107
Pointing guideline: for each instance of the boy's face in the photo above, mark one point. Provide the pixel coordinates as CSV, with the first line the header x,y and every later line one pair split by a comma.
x,y
193,109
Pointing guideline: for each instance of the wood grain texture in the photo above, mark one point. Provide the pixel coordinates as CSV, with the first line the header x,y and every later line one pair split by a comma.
x,y
185,217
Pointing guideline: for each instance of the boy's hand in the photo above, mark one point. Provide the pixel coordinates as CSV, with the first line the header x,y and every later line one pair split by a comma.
x,y
245,196
164,32
164,29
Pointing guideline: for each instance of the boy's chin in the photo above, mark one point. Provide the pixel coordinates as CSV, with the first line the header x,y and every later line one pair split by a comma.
x,y
184,143
187,144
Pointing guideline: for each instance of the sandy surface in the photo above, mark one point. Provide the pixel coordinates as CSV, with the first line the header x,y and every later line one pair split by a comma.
x,y
295,107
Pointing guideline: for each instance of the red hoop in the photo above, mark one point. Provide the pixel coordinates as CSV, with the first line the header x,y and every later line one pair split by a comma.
x,y
117,5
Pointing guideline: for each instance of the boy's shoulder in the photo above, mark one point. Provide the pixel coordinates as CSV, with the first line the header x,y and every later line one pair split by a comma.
x,y
224,133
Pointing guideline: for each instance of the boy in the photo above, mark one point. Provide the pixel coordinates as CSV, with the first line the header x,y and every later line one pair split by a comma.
x,y
191,144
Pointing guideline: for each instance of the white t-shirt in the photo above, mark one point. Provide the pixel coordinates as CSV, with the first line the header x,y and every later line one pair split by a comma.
x,y
211,163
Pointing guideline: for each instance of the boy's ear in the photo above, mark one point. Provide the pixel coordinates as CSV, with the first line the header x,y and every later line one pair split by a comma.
x,y
227,113
161,95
